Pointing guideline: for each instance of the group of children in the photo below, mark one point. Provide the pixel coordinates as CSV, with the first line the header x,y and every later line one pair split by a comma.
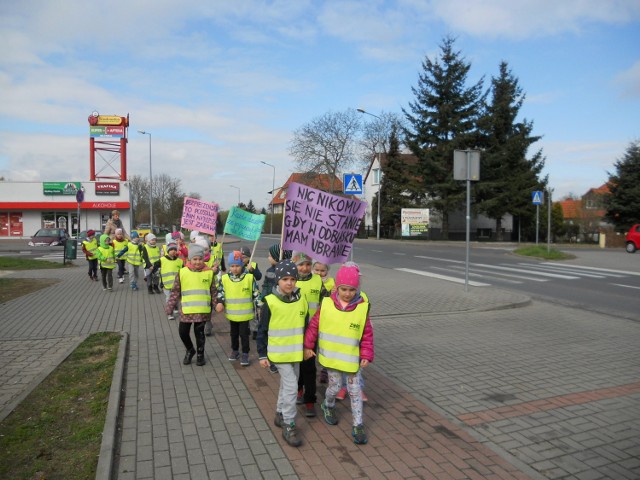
x,y
301,314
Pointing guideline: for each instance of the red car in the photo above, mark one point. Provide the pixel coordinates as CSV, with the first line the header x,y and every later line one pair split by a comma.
x,y
633,238
49,237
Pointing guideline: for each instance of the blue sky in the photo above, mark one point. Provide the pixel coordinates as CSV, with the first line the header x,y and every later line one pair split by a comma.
x,y
222,85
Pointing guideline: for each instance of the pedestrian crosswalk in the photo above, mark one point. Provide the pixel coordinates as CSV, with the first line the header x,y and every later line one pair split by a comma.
x,y
514,273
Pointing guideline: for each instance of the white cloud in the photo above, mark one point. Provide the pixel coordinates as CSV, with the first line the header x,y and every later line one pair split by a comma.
x,y
629,81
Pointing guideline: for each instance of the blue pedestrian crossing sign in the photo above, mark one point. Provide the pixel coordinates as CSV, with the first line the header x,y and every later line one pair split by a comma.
x,y
352,183
537,197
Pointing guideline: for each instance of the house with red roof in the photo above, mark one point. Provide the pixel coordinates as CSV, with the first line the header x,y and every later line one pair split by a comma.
x,y
321,181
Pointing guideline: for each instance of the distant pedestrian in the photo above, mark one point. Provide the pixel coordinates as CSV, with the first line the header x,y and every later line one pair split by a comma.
x,y
237,291
89,248
107,258
342,331
282,321
194,289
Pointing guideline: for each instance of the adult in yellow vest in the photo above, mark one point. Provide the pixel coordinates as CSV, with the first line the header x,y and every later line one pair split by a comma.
x,y
89,248
150,255
313,290
195,291
280,333
237,290
342,331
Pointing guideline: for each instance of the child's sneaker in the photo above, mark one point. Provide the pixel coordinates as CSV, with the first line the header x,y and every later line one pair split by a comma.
x,y
170,317
234,355
245,360
329,414
359,435
364,396
290,435
121,280
341,394
299,398
273,368
324,376
310,410
278,421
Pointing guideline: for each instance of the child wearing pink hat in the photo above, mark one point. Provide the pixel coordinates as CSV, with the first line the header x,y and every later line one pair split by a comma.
x,y
344,335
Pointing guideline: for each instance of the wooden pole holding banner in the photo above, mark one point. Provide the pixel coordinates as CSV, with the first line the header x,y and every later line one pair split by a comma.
x,y
284,214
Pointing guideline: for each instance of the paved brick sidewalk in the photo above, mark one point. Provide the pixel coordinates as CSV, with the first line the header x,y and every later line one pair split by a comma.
x,y
442,375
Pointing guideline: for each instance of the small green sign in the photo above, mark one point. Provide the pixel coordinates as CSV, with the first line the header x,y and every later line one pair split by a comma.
x,y
60,188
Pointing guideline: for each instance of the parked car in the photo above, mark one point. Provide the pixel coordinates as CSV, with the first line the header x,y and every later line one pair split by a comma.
x,y
49,237
633,238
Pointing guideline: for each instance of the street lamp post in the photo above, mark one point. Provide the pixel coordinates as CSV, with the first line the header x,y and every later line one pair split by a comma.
x,y
362,110
150,182
273,191
238,188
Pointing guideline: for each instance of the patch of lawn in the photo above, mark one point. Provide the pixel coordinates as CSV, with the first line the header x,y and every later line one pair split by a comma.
x,y
56,432
540,251
11,288
17,263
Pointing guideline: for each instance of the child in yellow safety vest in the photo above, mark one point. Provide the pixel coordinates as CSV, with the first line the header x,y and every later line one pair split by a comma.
x,y
237,290
150,255
89,248
133,252
107,258
329,283
313,290
344,336
169,266
194,289
280,341
119,243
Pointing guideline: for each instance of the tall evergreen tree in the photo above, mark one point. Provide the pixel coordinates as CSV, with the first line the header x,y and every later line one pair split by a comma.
x,y
393,188
507,177
623,202
442,119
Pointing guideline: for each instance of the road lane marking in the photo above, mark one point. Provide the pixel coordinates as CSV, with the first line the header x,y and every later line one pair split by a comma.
x,y
530,272
442,277
565,270
510,275
491,276
625,286
623,272
439,259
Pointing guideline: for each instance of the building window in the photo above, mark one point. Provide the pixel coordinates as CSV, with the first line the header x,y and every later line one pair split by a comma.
x,y
376,176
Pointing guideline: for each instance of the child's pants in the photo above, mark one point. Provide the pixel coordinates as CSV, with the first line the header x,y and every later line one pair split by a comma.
x,y
307,379
153,279
93,268
107,277
240,333
353,387
288,391
134,274
184,330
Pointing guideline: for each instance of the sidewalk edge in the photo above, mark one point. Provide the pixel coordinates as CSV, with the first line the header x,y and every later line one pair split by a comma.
x,y
107,448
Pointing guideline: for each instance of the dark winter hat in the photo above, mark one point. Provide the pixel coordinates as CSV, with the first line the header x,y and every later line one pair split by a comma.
x,y
286,268
172,246
245,251
274,251
91,233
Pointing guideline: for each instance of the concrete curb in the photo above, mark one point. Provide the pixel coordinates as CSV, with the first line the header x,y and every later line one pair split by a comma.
x,y
104,470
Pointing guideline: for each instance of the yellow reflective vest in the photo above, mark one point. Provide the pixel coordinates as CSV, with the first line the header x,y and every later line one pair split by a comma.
x,y
238,296
134,257
311,290
168,270
216,253
153,253
195,290
339,335
286,329
91,246
107,257
119,245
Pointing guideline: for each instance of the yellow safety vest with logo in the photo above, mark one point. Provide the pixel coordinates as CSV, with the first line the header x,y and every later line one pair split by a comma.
x,y
153,253
339,335
91,246
311,290
108,257
134,257
286,329
168,270
195,290
329,283
119,245
216,253
238,298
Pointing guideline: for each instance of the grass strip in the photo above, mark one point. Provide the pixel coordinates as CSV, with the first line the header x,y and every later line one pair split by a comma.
x,y
11,288
56,432
17,263
540,251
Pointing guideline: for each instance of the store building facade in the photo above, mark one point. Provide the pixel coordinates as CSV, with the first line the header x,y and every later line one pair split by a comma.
x,y
26,207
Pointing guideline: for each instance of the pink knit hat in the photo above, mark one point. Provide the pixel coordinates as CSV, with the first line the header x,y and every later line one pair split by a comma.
x,y
348,276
